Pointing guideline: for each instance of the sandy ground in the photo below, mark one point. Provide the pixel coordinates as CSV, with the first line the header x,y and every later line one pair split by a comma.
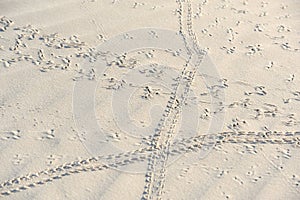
x,y
115,99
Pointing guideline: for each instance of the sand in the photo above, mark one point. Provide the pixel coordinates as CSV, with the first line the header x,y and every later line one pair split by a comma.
x,y
114,99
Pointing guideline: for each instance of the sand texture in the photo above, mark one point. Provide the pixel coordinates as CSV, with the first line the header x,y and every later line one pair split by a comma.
x,y
174,99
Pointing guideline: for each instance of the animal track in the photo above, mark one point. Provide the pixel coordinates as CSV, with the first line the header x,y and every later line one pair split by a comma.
x,y
161,146
155,176
179,147
10,135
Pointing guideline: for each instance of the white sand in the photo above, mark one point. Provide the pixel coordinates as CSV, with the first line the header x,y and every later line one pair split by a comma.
x,y
65,97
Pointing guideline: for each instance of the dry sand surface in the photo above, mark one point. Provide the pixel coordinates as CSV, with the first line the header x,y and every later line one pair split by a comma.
x,y
149,99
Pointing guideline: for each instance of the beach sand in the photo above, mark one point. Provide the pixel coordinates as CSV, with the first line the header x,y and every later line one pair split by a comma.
x,y
115,99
